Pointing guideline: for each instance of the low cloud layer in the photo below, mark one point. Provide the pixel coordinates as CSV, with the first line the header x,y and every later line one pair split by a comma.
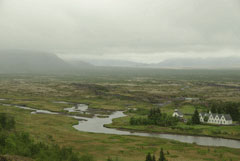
x,y
139,30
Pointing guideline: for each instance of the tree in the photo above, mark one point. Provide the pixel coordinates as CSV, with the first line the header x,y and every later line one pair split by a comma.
x,y
132,121
154,114
6,122
155,117
162,157
109,159
153,158
206,119
233,109
148,157
195,117
213,109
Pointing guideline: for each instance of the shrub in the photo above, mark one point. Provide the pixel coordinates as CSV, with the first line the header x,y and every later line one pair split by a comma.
x,y
6,122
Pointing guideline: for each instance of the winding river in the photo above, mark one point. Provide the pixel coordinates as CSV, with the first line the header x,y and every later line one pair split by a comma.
x,y
96,125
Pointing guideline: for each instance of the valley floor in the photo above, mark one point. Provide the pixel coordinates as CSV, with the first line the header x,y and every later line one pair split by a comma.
x,y
42,92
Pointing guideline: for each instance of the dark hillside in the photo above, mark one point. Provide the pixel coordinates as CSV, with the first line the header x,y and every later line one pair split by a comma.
x,y
19,61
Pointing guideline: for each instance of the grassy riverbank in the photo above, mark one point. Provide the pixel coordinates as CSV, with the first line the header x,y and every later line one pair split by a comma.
x,y
230,132
58,129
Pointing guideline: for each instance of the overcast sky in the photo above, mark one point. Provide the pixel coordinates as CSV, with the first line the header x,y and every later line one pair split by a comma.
x,y
137,30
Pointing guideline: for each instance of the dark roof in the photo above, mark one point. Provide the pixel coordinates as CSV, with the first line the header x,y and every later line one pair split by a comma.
x,y
214,115
204,114
178,112
220,115
227,117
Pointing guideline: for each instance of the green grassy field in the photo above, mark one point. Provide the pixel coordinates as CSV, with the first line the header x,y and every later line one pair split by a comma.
x,y
121,93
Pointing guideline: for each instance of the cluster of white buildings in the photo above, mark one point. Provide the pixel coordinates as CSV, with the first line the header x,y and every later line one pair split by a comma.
x,y
211,118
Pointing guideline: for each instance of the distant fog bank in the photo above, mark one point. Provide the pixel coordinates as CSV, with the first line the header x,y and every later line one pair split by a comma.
x,y
22,61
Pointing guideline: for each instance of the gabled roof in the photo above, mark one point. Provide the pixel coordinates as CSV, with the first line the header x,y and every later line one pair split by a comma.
x,y
214,115
178,112
204,114
220,116
227,117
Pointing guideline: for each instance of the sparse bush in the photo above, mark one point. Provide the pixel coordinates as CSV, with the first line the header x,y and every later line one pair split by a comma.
x,y
6,122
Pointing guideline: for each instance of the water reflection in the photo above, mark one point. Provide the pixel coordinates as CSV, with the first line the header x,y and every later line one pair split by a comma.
x,y
96,125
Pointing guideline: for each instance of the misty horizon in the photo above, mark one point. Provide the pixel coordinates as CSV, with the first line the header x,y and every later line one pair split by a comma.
x,y
25,61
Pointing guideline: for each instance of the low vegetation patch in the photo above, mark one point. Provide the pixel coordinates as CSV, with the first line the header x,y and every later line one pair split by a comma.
x,y
20,143
155,117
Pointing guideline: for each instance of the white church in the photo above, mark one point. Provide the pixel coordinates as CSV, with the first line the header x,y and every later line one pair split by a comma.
x,y
177,113
212,118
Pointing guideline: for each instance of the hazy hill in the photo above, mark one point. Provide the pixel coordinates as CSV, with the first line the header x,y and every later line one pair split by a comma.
x,y
202,63
18,61
114,63
78,64
227,62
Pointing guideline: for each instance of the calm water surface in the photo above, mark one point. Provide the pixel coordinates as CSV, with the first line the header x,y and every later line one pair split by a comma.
x,y
96,125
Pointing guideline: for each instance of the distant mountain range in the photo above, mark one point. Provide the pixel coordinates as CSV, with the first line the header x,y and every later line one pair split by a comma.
x,y
204,63
227,62
21,61
114,63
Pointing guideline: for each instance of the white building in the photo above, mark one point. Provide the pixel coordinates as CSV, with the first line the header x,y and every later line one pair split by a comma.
x,y
212,118
177,113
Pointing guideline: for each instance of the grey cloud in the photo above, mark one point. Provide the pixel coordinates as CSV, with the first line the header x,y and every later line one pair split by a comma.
x,y
116,27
